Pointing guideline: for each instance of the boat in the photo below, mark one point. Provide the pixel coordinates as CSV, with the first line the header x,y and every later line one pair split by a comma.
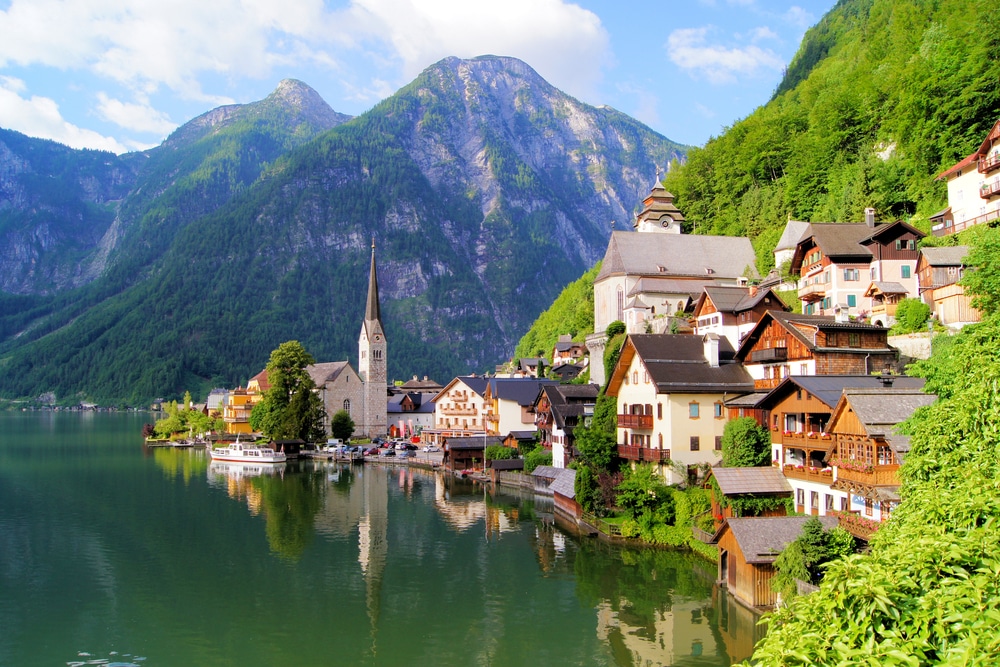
x,y
240,452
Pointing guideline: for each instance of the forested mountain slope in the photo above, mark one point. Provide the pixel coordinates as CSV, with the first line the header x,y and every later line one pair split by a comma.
x,y
484,189
881,96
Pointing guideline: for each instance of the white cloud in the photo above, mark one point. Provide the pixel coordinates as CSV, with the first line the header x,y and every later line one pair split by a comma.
x,y
799,17
688,49
131,116
40,117
761,33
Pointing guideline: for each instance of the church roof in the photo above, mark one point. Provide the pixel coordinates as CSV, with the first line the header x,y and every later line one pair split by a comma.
x,y
677,255
790,237
373,312
326,372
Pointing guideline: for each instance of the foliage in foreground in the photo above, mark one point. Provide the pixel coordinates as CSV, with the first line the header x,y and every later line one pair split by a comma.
x,y
806,558
290,408
928,592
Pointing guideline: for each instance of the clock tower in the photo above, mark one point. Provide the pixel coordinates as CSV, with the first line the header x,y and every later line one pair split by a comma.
x,y
371,361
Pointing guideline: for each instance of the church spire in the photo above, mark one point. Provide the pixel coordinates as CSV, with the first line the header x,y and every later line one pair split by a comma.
x,y
372,310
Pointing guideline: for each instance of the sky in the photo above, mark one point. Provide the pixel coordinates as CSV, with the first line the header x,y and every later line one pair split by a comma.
x,y
120,75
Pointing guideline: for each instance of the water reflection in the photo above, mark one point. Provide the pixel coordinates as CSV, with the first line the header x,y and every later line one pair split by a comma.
x,y
176,462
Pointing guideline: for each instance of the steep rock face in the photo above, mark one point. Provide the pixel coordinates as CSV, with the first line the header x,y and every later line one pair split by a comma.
x,y
485,189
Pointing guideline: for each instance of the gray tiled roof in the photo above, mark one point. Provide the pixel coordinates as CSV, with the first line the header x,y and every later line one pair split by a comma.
x,y
548,472
887,287
677,364
946,255
474,442
839,239
736,481
667,255
761,539
565,482
828,388
523,391
507,464
881,409
325,372
792,234
689,286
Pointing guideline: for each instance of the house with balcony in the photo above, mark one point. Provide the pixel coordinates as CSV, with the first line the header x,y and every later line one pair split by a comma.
x,y
785,344
657,270
938,273
797,413
510,404
868,450
737,484
558,410
836,263
568,351
973,188
732,312
459,410
670,390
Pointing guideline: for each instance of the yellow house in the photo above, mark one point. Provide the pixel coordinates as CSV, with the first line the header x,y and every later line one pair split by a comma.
x,y
670,390
236,411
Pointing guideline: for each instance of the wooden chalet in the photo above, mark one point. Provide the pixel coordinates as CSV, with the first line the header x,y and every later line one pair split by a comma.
x,y
885,296
938,273
868,450
786,344
737,483
748,548
564,494
733,311
467,453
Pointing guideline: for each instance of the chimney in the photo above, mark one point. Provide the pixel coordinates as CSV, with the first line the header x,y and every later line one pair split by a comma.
x,y
753,290
870,217
711,342
841,314
886,380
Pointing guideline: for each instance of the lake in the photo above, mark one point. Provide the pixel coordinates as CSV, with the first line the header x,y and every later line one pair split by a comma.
x,y
113,553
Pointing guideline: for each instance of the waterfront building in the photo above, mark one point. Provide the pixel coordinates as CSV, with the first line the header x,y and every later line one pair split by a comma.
x,y
372,357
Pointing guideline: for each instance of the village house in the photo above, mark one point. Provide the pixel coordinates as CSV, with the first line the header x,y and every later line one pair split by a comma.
x,y
459,410
657,270
568,351
797,414
558,409
836,264
784,250
748,548
467,453
510,404
409,413
938,273
670,390
973,188
785,344
732,312
868,450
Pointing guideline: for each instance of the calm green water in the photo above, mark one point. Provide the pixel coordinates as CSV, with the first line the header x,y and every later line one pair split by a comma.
x,y
115,554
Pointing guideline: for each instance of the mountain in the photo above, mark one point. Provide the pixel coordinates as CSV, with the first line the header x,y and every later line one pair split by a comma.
x,y
484,188
881,96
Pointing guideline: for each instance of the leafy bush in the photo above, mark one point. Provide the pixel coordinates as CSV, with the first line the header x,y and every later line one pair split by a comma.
x,y
539,456
745,444
499,452
911,316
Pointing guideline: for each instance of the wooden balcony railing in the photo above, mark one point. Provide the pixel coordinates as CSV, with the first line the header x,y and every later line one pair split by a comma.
x,y
876,476
635,421
460,411
770,354
636,453
813,292
768,383
809,474
989,189
857,525
961,225
805,441
988,164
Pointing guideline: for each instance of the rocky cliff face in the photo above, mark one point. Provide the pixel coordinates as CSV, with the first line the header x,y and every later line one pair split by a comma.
x,y
485,189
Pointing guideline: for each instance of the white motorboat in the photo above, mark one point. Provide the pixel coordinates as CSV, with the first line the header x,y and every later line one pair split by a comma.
x,y
240,452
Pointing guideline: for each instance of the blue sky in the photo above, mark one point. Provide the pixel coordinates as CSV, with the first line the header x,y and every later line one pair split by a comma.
x,y
120,75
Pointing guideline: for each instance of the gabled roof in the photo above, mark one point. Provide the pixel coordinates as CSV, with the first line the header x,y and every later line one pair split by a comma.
x,y
546,472
798,324
889,231
880,410
761,480
836,240
882,287
475,383
992,136
569,400
676,363
565,483
523,391
421,385
326,372
761,539
792,234
677,255
967,161
737,299
507,464
828,388
473,442
945,255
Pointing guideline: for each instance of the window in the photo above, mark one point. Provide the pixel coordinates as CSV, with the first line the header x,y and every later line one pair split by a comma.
x,y
693,410
800,497
854,340
635,377
905,271
826,277
851,275
718,443
844,504
645,377
814,500
869,506
718,411
695,443
852,300
829,502
661,440
347,405
911,244
899,244
659,410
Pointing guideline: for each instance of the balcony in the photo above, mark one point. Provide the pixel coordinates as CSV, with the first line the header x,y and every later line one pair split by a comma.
x,y
636,453
770,354
813,292
857,525
886,475
635,421
472,412
961,225
806,440
768,383
809,474
988,164
989,189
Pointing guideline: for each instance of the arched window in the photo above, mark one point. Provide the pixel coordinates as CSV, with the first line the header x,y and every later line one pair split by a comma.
x,y
347,405
621,304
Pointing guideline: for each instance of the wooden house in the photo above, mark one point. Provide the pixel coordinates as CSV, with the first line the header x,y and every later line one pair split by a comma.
x,y
739,483
786,344
868,450
938,273
732,312
564,494
467,453
748,548
559,409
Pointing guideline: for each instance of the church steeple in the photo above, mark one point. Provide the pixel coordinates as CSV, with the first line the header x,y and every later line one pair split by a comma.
x,y
372,352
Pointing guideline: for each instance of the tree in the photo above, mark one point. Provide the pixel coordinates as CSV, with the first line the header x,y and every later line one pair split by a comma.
x,y
290,408
745,444
597,448
341,425
911,316
499,452
642,491
984,282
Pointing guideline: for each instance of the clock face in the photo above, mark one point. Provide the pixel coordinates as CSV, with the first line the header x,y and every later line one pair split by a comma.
x,y
377,338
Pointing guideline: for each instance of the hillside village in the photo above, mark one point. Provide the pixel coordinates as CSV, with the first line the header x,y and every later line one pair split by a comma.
x,y
707,340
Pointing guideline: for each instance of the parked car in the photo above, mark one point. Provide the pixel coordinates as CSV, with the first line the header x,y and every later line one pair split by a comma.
x,y
405,454
432,448
371,451
387,452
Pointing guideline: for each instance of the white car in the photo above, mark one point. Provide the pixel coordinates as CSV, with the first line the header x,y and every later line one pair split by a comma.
x,y
432,448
